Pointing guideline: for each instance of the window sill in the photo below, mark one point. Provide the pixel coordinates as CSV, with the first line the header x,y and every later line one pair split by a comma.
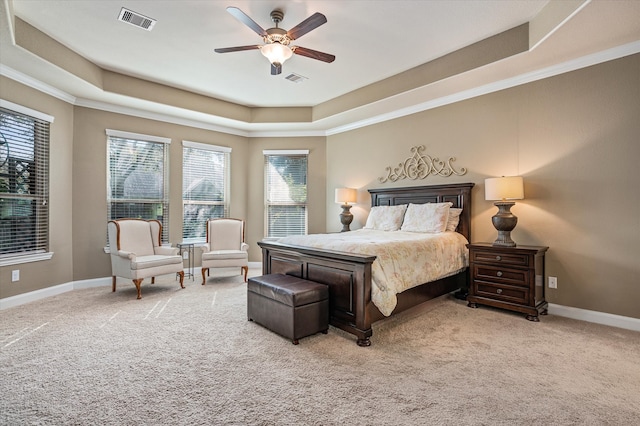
x,y
25,258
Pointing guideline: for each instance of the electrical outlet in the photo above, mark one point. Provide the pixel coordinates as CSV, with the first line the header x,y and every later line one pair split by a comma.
x,y
185,254
15,275
553,282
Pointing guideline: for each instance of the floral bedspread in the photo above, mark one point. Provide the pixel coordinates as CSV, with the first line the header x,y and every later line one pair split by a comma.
x,y
404,259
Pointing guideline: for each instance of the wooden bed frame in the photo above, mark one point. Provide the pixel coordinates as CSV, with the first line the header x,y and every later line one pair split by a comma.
x,y
348,275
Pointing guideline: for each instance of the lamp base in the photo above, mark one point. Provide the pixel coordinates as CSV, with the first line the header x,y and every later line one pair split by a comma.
x,y
504,221
346,217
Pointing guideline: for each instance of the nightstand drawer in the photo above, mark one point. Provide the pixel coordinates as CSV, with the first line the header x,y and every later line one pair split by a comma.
x,y
491,273
506,293
515,259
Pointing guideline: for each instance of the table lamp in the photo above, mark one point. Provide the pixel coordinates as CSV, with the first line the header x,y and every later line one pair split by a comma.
x,y
345,196
504,188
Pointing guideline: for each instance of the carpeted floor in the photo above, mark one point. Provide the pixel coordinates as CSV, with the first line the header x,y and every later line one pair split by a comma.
x,y
190,357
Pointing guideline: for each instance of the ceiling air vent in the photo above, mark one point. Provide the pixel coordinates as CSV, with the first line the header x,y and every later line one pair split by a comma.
x,y
296,78
134,18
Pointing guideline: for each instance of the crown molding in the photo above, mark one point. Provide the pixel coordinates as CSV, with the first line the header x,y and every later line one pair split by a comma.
x,y
141,113
568,66
36,84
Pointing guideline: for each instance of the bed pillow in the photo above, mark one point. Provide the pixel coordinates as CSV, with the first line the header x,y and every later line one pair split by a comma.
x,y
386,218
430,217
454,219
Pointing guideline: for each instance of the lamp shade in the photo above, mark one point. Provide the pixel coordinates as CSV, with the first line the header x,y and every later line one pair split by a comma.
x,y
504,188
346,195
276,53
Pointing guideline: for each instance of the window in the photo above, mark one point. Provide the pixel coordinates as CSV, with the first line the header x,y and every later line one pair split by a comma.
x,y
24,183
137,177
205,187
285,192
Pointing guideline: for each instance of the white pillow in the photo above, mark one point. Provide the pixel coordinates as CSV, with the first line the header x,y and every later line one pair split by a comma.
x,y
454,219
430,217
385,218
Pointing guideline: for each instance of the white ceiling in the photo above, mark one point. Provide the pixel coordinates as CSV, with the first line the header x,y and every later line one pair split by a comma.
x,y
372,40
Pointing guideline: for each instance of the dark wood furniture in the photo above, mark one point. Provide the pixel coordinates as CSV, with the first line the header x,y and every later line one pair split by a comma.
x,y
508,277
288,305
348,275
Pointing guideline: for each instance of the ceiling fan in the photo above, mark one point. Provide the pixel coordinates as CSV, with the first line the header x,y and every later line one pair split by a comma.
x,y
277,41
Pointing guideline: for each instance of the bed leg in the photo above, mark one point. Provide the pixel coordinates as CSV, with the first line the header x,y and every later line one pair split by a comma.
x,y
364,342
461,294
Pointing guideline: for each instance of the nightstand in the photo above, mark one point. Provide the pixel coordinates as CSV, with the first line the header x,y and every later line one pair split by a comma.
x,y
508,277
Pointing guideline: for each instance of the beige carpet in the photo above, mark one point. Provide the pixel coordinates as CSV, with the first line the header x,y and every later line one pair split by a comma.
x,y
190,357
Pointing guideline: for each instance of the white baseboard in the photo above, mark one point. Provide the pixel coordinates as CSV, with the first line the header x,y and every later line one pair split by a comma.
x,y
95,282
595,317
32,296
603,318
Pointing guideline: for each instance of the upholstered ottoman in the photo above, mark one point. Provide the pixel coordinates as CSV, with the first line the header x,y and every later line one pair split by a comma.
x,y
287,305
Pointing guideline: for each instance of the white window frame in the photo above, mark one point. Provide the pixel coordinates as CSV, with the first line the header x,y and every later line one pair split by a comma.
x,y
42,193
186,200
164,200
269,203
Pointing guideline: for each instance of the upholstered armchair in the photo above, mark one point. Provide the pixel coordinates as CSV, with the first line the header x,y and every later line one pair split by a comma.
x,y
225,247
137,253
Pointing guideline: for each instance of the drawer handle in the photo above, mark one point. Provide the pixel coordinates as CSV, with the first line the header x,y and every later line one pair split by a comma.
x,y
498,257
499,273
499,291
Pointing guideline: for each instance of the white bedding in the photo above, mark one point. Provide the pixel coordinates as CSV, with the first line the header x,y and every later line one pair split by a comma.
x,y
404,259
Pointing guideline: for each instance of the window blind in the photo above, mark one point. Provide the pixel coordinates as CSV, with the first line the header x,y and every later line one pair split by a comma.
x,y
205,187
24,183
285,194
137,181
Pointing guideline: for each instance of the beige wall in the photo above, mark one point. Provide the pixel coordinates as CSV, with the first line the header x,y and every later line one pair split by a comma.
x,y
57,270
90,184
316,184
78,186
247,174
573,137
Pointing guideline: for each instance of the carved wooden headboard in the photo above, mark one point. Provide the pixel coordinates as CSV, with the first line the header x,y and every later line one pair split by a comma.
x,y
458,193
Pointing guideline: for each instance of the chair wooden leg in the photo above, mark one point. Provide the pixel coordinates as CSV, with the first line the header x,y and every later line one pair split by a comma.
x,y
181,273
246,270
113,283
204,276
137,284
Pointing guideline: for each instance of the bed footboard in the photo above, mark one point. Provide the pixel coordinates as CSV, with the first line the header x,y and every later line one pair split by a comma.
x,y
347,275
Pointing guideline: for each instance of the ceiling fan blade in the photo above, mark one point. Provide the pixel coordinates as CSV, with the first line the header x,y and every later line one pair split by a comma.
x,y
276,68
311,23
313,54
236,49
244,18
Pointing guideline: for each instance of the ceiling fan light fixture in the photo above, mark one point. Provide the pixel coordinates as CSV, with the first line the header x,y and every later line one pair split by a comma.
x,y
276,53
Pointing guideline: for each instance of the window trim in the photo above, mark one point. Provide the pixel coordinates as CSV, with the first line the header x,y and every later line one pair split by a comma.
x,y
206,146
282,152
137,136
26,258
36,256
26,110
227,183
120,134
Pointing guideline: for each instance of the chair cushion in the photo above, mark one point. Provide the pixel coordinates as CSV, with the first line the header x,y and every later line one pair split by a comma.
x,y
225,255
135,237
225,234
145,262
